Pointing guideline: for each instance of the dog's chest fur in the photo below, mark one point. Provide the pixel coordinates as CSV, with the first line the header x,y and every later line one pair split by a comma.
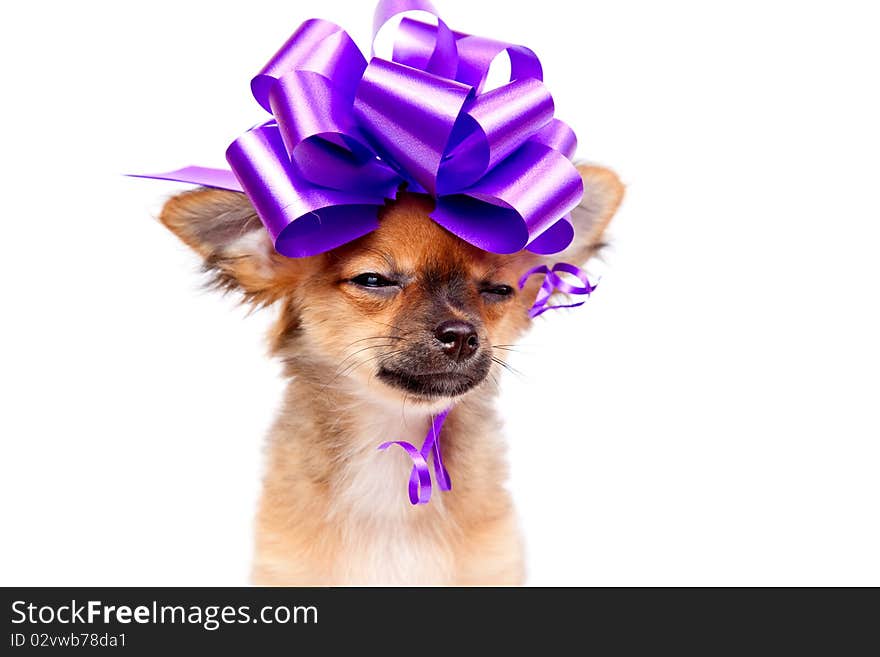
x,y
335,510
388,541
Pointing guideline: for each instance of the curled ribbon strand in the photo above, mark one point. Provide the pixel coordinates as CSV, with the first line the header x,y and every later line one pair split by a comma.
x,y
346,133
553,282
420,479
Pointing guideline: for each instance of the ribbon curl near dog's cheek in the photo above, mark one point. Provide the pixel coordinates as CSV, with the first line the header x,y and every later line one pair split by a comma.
x,y
553,283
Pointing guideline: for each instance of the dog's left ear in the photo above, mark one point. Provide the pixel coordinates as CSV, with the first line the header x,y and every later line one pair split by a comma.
x,y
603,193
224,229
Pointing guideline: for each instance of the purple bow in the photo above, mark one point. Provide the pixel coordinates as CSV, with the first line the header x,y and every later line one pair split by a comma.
x,y
346,133
553,282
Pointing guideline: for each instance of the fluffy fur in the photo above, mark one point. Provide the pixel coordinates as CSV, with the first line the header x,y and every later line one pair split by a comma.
x,y
365,365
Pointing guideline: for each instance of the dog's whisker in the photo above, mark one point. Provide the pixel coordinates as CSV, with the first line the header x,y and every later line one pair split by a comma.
x,y
403,408
374,346
507,366
374,337
342,369
349,369
515,351
513,348
391,326
367,348
494,379
368,360
517,348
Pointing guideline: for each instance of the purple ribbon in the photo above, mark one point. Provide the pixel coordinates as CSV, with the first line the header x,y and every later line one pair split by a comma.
x,y
346,133
420,478
553,282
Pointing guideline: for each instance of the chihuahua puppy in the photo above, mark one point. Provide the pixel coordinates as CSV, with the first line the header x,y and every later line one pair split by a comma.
x,y
377,337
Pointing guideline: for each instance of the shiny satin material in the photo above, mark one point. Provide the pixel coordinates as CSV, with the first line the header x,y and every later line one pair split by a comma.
x,y
553,283
346,134
420,479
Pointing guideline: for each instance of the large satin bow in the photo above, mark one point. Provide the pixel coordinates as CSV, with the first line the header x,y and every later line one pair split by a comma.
x,y
346,133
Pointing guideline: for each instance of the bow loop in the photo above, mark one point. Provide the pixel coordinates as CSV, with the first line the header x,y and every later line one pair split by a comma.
x,y
317,46
520,184
501,121
321,137
558,136
416,43
433,49
303,219
409,116
477,54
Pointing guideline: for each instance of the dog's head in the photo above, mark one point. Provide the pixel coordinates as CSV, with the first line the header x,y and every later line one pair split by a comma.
x,y
407,311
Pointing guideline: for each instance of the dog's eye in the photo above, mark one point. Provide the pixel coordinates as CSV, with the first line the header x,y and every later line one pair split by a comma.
x,y
372,280
497,290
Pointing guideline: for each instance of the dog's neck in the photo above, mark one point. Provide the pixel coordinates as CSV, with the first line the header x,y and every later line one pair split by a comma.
x,y
333,436
341,507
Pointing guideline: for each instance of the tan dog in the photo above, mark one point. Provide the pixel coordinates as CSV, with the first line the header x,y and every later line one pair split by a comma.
x,y
376,336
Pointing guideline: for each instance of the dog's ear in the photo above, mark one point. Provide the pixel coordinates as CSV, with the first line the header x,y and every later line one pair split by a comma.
x,y
603,193
224,229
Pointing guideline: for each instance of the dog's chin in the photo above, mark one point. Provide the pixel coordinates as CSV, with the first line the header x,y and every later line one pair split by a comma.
x,y
434,385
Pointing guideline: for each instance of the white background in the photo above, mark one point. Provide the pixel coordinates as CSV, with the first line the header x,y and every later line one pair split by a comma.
x,y
710,417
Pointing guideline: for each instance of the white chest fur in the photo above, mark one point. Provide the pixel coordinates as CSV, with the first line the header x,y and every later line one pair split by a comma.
x,y
387,540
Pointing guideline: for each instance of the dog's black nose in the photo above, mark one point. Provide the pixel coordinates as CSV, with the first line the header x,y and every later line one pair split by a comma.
x,y
459,339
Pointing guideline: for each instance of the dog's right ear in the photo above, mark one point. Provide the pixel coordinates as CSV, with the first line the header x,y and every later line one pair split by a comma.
x,y
224,229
